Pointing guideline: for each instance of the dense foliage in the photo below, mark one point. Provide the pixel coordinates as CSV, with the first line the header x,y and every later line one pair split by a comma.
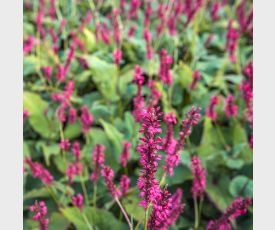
x,y
138,114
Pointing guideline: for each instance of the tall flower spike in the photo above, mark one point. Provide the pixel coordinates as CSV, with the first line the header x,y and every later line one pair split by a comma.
x,y
125,155
237,208
199,180
98,160
108,175
77,201
211,112
86,119
38,171
230,109
138,100
176,208
160,211
173,155
148,149
232,37
164,69
40,211
196,78
124,184
169,142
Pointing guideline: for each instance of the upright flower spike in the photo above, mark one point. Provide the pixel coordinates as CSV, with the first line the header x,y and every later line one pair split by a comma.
x,y
40,210
199,180
124,184
98,161
164,69
237,208
196,78
169,142
38,171
134,5
26,114
47,72
72,115
28,44
173,155
160,212
117,55
155,94
138,100
108,175
232,37
125,155
211,112
176,208
76,150
148,149
77,201
65,144
230,109
215,11
86,119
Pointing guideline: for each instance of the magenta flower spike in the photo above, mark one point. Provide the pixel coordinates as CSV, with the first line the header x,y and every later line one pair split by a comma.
x,y
237,208
125,155
40,210
210,111
124,184
108,175
164,69
77,201
98,161
149,157
86,119
230,109
199,177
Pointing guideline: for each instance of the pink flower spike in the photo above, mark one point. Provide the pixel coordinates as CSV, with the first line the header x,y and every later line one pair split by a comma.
x,y
199,180
98,160
65,144
164,69
210,112
86,119
26,114
124,184
108,175
117,55
237,208
78,201
148,149
125,155
47,72
196,78
230,109
40,211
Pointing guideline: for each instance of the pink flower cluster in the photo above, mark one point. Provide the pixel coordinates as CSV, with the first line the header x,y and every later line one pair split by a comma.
x,y
138,100
38,171
196,78
230,109
164,68
211,112
237,208
125,155
28,44
86,119
155,94
199,180
77,201
108,175
232,37
173,155
98,161
40,210
124,184
148,149
245,20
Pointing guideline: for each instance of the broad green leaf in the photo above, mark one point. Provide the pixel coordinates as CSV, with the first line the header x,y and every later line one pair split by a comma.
x,y
40,123
241,186
50,150
72,130
36,192
102,219
58,221
105,77
132,206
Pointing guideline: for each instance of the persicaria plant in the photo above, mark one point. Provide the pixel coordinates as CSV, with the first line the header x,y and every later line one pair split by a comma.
x,y
138,114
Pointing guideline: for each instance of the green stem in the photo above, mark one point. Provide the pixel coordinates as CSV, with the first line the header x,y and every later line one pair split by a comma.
x,y
50,190
124,213
94,194
86,221
146,218
221,137
84,190
196,214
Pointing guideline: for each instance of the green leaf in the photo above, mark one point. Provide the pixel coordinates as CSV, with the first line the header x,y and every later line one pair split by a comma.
x,y
132,207
102,219
38,120
48,151
184,74
37,192
72,130
105,77
241,186
235,163
114,136
58,221
26,149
